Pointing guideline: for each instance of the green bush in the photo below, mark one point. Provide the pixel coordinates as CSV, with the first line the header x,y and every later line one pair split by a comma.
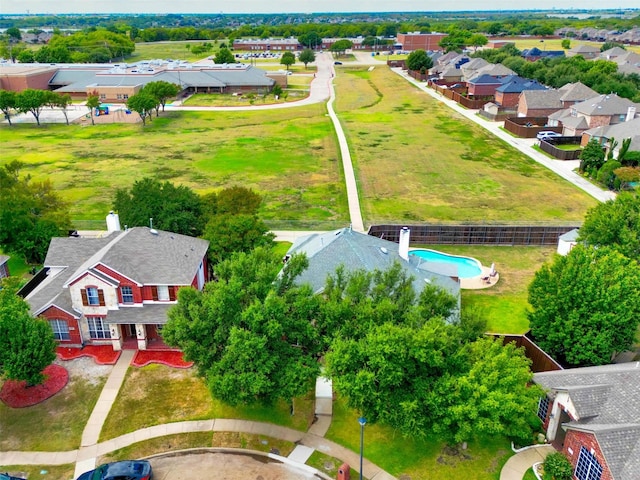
x,y
558,466
606,175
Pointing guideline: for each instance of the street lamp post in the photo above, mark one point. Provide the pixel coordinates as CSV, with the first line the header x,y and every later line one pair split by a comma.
x,y
362,421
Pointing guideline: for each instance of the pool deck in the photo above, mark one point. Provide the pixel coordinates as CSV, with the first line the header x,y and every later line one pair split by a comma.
x,y
484,280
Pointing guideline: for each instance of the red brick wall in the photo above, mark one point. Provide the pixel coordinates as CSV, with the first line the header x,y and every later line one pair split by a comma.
x,y
574,440
427,41
54,313
507,99
484,89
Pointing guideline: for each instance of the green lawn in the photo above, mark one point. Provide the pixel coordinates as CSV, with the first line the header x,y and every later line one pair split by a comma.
x,y
17,266
504,304
53,425
418,459
289,156
157,394
417,160
169,50
43,472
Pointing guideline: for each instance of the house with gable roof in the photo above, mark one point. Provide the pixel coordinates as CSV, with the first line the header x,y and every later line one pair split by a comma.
x,y
619,131
595,112
542,103
117,289
357,251
585,51
592,415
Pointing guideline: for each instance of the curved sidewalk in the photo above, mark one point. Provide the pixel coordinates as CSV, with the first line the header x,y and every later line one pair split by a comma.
x,y
517,465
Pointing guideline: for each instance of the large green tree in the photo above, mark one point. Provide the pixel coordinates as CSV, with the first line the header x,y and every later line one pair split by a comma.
x,y
287,59
32,101
307,56
339,47
27,345
173,208
162,91
249,336
419,60
143,103
93,102
8,103
224,55
31,213
586,305
615,223
235,233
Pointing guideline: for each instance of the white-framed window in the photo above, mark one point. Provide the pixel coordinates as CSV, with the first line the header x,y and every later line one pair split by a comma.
x,y
588,467
103,96
543,408
119,96
92,296
126,96
163,293
60,329
98,328
127,294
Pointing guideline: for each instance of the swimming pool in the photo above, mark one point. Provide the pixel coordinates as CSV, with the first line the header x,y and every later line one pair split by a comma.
x,y
467,267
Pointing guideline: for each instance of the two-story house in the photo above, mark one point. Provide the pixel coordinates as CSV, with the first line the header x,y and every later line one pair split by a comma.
x,y
116,290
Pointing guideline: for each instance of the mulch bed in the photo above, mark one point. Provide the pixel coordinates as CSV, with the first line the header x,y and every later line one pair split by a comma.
x,y
102,354
17,395
165,357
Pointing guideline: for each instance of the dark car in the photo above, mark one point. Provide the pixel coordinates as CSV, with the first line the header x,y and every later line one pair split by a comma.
x,y
337,63
129,469
6,476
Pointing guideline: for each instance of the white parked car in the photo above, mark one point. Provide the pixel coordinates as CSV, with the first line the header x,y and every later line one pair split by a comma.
x,y
543,135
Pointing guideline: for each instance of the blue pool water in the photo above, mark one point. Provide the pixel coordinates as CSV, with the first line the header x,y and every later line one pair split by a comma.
x,y
467,267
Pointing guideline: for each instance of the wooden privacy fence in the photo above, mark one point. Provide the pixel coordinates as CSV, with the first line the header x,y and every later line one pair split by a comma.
x,y
549,146
530,235
528,127
541,361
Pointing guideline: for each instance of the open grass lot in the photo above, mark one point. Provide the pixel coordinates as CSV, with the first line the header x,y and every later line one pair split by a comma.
x,y
169,50
53,425
556,43
289,156
417,160
158,394
417,459
504,304
229,100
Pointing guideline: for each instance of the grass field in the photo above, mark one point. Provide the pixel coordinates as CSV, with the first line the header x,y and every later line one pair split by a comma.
x,y
155,394
289,156
417,160
406,457
53,425
169,50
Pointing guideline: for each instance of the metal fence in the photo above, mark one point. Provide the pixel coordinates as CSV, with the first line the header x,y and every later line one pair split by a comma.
x,y
485,234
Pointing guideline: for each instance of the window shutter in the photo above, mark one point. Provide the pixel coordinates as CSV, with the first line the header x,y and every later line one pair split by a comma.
x,y
83,294
101,298
154,293
172,293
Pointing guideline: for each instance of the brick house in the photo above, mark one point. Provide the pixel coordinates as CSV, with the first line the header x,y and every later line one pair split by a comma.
x,y
117,289
507,95
592,415
542,103
420,41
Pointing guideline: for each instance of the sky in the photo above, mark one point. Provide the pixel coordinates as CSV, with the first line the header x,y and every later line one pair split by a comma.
x,y
289,6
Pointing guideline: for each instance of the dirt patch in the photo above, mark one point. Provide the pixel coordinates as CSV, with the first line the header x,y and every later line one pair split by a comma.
x,y
85,368
453,455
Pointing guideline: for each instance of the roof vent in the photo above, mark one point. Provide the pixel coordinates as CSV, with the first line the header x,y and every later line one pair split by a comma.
x,y
384,250
153,231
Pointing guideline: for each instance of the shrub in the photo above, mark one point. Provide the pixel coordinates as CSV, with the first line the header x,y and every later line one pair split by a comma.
x,y
606,175
558,466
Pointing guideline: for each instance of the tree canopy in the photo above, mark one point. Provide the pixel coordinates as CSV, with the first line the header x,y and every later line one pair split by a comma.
x,y
143,103
615,224
288,59
307,56
8,103
31,214
586,305
418,60
224,55
161,91
339,47
27,345
173,208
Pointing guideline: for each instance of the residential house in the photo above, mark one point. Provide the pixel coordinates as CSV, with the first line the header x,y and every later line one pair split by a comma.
x,y
534,54
354,250
448,67
542,103
508,94
628,63
619,131
469,69
595,112
585,51
592,415
117,289
612,53
4,266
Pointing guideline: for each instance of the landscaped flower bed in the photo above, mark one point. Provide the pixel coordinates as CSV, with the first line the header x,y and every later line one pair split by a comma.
x,y
18,395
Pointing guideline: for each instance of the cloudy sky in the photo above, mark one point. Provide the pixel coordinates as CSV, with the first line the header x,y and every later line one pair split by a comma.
x,y
285,6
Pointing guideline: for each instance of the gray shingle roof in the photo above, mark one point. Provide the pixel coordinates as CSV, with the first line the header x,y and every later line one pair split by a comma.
x,y
610,104
356,251
150,314
609,395
576,92
4,259
542,99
